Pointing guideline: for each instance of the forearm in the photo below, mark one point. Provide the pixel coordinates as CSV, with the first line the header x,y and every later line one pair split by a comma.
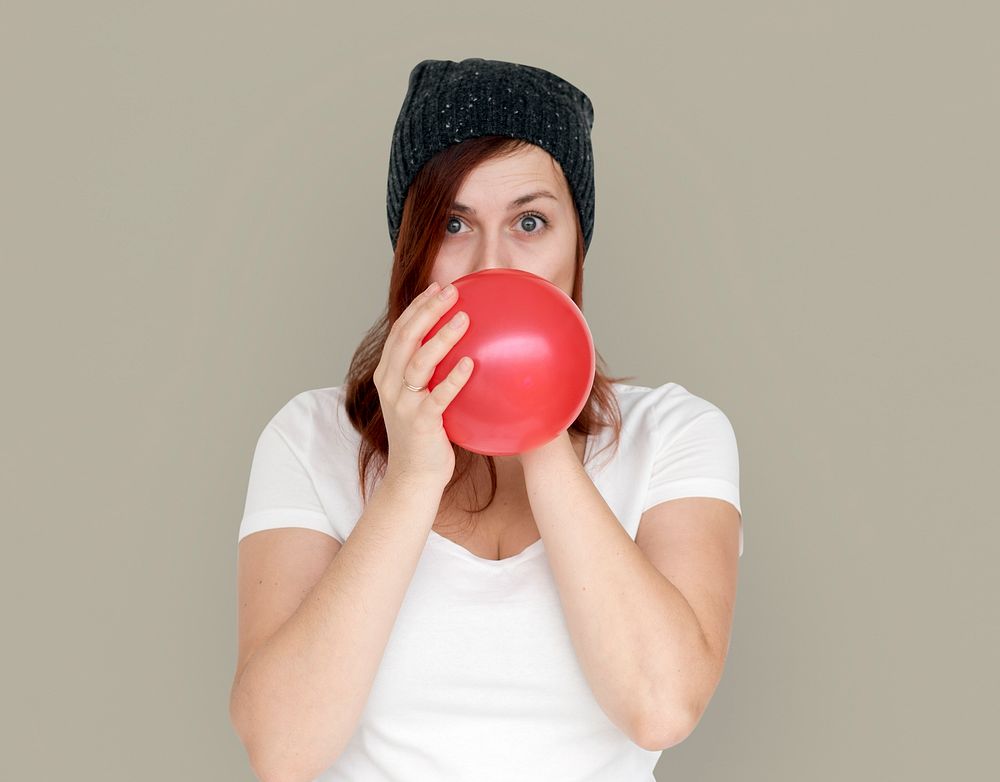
x,y
299,698
636,636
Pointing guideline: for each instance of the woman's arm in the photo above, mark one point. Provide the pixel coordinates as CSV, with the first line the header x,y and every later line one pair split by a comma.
x,y
638,640
297,700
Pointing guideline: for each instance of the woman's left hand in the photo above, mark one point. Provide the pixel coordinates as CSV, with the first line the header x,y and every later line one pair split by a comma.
x,y
546,451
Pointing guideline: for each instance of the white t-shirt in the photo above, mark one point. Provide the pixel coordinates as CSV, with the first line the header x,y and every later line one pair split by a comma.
x,y
479,679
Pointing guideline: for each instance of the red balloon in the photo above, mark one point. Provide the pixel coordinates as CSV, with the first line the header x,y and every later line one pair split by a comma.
x,y
534,362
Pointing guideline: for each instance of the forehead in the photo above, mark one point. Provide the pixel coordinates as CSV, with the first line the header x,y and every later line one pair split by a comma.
x,y
531,165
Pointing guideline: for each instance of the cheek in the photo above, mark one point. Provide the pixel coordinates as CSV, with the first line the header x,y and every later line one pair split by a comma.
x,y
447,266
559,274
569,277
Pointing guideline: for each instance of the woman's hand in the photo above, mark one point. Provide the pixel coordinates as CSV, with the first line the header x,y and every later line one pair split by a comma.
x,y
543,454
418,444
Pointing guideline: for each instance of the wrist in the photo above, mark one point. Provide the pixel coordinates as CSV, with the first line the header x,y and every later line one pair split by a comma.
x,y
413,482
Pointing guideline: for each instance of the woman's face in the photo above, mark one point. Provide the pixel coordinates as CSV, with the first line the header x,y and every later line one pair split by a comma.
x,y
486,230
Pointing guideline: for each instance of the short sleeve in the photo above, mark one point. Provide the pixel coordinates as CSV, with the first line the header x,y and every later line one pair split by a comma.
x,y
699,459
281,492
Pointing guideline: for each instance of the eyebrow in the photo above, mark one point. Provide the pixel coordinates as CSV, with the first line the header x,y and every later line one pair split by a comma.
x,y
528,197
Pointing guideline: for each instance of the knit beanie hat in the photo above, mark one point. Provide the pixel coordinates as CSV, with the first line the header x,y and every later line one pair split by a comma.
x,y
448,102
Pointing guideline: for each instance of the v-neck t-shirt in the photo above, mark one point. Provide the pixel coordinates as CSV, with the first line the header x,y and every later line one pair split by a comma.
x,y
479,678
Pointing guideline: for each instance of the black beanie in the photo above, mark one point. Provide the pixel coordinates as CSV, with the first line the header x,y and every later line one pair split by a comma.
x,y
448,102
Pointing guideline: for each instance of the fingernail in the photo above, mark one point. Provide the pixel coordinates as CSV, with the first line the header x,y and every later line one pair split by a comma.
x,y
450,289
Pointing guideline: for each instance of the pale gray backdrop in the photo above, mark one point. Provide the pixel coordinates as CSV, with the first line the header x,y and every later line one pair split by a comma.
x,y
796,219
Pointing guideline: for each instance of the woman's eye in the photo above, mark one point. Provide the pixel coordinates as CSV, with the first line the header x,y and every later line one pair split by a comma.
x,y
535,222
530,223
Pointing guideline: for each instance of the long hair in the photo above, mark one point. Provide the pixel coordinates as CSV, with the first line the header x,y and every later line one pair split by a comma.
x,y
421,234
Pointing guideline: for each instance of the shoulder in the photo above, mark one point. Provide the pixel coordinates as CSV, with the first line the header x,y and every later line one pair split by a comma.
x,y
310,408
314,420
664,410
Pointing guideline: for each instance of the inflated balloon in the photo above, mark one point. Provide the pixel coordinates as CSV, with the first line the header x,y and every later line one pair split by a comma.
x,y
534,362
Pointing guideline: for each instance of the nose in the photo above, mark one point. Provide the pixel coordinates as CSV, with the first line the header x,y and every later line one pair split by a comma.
x,y
492,253
486,263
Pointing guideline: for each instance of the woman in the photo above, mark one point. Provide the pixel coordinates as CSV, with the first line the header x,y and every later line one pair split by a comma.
x,y
574,625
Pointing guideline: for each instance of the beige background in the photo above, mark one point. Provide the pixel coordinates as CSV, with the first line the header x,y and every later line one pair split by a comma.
x,y
796,219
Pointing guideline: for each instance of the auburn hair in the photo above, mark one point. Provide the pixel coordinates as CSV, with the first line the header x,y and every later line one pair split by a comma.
x,y
421,233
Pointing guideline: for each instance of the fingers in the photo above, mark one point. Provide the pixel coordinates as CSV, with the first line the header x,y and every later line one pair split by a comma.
x,y
397,325
414,305
406,334
421,366
445,391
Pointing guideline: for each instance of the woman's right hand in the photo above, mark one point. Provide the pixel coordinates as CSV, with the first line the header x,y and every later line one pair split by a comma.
x,y
419,447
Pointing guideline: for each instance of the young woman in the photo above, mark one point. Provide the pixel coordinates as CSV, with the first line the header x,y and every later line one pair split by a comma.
x,y
394,627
